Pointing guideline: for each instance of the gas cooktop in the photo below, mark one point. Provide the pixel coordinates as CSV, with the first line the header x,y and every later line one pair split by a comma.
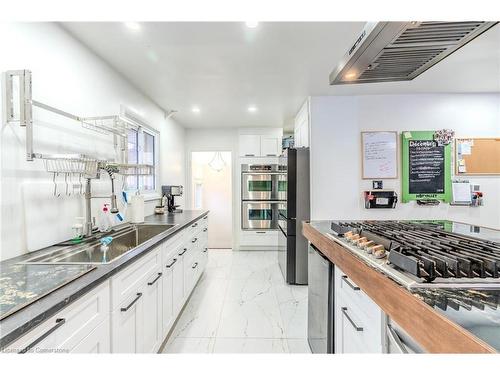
x,y
426,253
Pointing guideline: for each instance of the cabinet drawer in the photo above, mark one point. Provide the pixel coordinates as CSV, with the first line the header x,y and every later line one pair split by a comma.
x,y
193,229
127,281
171,245
65,330
360,335
354,296
171,248
98,341
259,238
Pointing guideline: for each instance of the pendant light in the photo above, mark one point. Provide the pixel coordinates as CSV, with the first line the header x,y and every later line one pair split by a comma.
x,y
217,163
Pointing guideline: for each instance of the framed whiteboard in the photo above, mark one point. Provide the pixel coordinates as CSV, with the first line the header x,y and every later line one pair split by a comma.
x,y
379,154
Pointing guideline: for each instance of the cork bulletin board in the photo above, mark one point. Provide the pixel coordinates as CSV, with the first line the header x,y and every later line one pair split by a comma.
x,y
477,156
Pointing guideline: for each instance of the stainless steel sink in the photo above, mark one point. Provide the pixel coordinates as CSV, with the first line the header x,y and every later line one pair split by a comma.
x,y
125,240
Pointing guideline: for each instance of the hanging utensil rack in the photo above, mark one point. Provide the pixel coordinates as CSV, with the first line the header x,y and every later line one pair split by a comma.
x,y
19,108
75,164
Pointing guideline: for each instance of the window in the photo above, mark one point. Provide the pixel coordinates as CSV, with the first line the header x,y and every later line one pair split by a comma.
x,y
142,150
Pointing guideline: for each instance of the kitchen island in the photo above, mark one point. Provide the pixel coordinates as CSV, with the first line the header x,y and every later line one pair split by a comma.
x,y
440,320
25,288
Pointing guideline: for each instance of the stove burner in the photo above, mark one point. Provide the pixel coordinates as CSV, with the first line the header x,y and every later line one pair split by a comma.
x,y
427,251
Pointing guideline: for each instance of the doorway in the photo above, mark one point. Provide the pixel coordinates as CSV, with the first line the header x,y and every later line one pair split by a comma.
x,y
211,189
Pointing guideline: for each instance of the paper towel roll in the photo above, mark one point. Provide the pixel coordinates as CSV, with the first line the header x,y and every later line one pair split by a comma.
x,y
137,209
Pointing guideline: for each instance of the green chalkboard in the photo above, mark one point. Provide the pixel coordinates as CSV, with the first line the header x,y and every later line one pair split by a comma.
x,y
426,167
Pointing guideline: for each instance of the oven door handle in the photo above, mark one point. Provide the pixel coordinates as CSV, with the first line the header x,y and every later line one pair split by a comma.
x,y
264,173
250,202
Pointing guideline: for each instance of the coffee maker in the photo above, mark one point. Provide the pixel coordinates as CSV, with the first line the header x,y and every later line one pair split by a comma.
x,y
170,192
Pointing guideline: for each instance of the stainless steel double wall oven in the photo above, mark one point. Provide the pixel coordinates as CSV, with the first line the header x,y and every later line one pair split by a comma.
x,y
263,195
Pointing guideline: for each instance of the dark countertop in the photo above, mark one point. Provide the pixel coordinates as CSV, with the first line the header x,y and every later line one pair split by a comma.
x,y
475,310
28,287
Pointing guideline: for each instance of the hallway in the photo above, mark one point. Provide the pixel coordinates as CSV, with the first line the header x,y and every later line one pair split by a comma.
x,y
242,305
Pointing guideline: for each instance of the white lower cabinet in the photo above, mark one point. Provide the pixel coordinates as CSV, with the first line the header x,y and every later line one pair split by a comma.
x,y
152,320
358,320
143,320
168,295
82,325
126,331
98,341
178,281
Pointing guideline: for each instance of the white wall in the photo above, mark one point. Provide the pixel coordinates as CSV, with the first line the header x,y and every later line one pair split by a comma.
x,y
69,76
336,184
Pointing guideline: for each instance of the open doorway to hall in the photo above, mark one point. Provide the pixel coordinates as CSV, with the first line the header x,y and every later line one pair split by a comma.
x,y
211,189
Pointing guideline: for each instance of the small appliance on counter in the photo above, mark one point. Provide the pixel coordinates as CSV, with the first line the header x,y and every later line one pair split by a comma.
x,y
170,192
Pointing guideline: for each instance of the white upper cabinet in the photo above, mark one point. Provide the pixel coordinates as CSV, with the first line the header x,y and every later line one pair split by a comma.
x,y
302,121
260,145
270,145
249,145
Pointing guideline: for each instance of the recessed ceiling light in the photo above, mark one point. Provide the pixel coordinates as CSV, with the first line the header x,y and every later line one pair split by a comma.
x,y
252,109
252,24
195,110
135,26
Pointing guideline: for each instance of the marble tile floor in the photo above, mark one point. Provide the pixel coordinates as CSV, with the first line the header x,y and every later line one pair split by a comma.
x,y
242,305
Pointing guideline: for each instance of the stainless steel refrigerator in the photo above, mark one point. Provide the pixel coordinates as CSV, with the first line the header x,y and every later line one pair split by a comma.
x,y
292,254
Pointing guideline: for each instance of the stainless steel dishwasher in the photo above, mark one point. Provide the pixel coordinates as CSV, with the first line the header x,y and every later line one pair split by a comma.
x,y
320,320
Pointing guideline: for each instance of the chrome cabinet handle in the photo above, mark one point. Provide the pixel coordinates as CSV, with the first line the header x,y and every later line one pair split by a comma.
x,y
194,225
139,295
271,155
205,218
344,311
206,249
171,263
351,285
249,154
194,265
156,279
183,251
397,340
59,323
194,240
261,232
204,230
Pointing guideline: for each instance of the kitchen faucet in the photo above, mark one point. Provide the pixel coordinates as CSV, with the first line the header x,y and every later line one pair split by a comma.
x,y
89,226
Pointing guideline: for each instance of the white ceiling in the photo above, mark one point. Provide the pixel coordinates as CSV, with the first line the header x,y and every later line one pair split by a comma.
x,y
223,68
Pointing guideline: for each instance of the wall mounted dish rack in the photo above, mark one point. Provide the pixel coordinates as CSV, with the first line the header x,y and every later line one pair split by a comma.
x,y
19,109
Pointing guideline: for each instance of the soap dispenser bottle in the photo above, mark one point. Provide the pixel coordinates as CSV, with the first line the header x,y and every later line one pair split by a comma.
x,y
104,219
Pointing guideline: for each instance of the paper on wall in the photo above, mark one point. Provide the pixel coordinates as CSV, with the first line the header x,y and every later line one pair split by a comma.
x,y
461,192
465,148
462,169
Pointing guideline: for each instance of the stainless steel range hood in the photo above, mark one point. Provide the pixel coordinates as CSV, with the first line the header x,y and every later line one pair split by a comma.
x,y
400,51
